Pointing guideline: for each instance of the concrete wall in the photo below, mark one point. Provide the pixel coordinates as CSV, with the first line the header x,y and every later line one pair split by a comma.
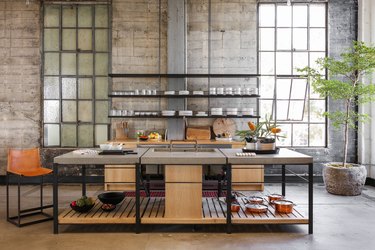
x,y
135,49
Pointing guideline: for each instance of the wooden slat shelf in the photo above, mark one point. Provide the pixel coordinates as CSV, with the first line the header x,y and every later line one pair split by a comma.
x,y
153,212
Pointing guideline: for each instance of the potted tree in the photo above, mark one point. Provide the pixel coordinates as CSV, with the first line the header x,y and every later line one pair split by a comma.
x,y
345,84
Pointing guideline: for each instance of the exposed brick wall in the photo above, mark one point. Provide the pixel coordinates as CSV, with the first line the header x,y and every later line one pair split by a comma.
x,y
19,76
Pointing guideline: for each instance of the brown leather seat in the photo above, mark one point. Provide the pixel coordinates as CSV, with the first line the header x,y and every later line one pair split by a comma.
x,y
26,163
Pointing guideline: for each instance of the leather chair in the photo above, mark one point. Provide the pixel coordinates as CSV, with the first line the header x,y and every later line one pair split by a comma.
x,y
25,163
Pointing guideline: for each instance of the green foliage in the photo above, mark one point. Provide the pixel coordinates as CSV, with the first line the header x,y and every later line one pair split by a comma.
x,y
345,83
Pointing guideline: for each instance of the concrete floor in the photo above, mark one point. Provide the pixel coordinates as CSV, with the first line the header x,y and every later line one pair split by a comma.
x,y
339,223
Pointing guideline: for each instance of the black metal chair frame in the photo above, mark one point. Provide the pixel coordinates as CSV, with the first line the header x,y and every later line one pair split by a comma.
x,y
16,220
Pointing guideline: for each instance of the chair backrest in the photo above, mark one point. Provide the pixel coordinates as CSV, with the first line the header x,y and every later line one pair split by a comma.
x,y
23,159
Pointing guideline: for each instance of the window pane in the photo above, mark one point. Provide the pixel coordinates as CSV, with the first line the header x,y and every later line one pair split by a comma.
x,y
85,39
282,110
317,135
296,110
317,15
85,111
69,111
85,64
299,16
51,111
298,89
101,134
101,16
300,60
284,63
51,88
101,40
313,57
69,39
267,15
317,108
267,85
101,88
51,64
300,134
68,135
51,16
69,89
284,39
101,64
68,63
286,130
51,135
300,39
317,39
284,16
267,63
266,108
51,40
69,16
101,112
267,39
283,88
85,136
84,16
85,88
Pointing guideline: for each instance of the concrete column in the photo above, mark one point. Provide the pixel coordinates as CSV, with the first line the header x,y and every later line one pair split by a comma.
x,y
176,63
366,33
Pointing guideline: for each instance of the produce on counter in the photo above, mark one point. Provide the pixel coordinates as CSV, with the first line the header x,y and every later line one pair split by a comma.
x,y
83,201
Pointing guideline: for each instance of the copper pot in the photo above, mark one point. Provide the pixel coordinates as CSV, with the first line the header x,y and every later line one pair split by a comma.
x,y
275,197
235,207
284,206
255,200
256,208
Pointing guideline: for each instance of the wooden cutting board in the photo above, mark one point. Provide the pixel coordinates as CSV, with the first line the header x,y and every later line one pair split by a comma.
x,y
198,133
222,125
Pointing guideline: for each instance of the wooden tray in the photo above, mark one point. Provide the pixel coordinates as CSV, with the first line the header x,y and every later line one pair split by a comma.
x,y
260,152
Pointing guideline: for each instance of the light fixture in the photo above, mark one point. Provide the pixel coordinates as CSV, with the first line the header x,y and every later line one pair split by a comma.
x,y
288,2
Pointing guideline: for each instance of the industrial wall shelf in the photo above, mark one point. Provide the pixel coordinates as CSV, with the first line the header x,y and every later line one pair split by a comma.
x,y
116,75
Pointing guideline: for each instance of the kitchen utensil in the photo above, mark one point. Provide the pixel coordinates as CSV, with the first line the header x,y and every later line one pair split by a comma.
x,y
284,206
170,92
185,113
121,131
105,146
183,92
256,208
108,207
198,133
111,197
224,125
197,92
274,197
220,91
235,207
255,200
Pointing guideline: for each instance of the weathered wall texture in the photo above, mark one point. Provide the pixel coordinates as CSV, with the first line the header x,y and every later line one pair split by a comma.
x,y
20,83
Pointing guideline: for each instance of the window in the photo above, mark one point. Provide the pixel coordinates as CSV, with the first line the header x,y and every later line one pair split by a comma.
x,y
75,74
292,37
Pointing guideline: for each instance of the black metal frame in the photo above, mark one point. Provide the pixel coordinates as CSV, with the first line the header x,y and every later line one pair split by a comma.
x,y
16,220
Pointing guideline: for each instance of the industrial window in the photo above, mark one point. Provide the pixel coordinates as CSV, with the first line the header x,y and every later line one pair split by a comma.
x,y
292,36
76,48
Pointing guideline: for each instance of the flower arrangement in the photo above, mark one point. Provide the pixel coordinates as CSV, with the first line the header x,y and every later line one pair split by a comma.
x,y
266,131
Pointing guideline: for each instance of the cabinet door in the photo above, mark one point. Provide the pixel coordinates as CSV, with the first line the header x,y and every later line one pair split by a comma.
x,y
183,173
183,200
248,173
119,173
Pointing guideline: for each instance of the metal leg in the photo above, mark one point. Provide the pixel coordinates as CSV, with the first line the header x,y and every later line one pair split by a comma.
x,y
41,193
283,180
19,200
137,199
7,184
55,199
83,180
229,198
311,182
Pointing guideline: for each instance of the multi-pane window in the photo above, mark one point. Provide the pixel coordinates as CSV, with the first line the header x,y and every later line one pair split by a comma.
x,y
292,37
75,74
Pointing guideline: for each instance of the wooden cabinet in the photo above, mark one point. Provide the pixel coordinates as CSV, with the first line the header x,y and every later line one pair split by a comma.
x,y
253,174
119,173
183,191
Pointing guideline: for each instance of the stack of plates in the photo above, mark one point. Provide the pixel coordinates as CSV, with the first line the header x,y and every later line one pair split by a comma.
x,y
185,113
168,112
198,92
216,111
247,111
169,92
201,113
232,111
183,92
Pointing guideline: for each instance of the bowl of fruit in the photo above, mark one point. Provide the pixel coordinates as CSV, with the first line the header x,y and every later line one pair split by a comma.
x,y
154,136
83,204
143,137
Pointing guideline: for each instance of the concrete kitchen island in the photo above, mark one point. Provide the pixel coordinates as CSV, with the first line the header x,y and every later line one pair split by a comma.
x,y
183,202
